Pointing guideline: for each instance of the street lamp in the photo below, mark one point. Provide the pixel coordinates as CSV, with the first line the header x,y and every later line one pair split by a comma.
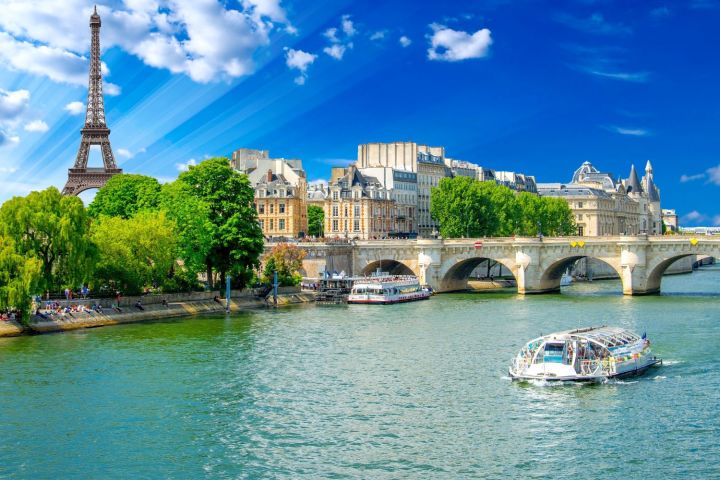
x,y
539,225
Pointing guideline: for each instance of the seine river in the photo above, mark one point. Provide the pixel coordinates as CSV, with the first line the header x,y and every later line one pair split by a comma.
x,y
409,391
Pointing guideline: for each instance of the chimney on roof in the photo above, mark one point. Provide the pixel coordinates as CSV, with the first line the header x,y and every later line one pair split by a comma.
x,y
269,176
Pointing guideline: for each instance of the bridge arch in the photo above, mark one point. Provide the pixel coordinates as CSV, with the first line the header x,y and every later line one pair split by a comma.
x,y
656,269
393,267
457,274
553,272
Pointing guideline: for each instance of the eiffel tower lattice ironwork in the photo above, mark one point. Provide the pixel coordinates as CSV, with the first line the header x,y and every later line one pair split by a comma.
x,y
95,132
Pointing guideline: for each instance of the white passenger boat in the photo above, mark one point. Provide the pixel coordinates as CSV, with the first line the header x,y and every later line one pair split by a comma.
x,y
387,289
566,279
587,354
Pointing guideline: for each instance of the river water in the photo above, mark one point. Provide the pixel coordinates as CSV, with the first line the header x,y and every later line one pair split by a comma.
x,y
408,391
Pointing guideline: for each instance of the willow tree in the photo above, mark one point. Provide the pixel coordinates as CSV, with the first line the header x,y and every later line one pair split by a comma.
x,y
236,241
19,277
54,229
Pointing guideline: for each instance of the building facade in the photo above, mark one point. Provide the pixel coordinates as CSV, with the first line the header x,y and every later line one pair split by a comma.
x,y
428,163
280,192
602,205
357,206
403,188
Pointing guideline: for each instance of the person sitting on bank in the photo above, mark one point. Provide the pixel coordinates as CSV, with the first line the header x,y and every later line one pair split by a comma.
x,y
139,306
217,299
164,303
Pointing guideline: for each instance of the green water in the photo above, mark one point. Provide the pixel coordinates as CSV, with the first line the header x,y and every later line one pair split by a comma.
x,y
408,391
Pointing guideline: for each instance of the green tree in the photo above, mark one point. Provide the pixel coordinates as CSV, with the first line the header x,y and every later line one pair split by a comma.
x,y
505,205
237,240
531,214
316,221
55,229
134,253
19,277
286,259
558,219
193,228
125,195
463,208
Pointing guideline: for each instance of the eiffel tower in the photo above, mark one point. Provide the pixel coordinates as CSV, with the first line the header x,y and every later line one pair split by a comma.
x,y
95,132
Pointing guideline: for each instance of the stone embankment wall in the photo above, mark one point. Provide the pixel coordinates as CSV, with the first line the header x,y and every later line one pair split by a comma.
x,y
179,305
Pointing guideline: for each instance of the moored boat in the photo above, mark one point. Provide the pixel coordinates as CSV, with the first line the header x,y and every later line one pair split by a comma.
x,y
587,354
387,289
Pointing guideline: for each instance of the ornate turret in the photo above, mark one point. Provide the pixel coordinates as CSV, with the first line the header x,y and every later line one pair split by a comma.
x,y
633,182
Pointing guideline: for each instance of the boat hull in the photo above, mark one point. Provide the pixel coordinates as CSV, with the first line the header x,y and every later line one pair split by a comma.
x,y
386,300
588,378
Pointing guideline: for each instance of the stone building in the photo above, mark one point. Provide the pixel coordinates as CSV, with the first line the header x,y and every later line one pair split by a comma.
x,y
403,188
280,191
670,219
603,205
357,206
427,162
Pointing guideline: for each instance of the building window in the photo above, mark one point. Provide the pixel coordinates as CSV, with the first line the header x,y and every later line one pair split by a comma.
x,y
334,225
271,224
281,208
272,208
335,195
335,210
356,225
357,210
346,212
580,204
281,224
261,208
580,230
262,224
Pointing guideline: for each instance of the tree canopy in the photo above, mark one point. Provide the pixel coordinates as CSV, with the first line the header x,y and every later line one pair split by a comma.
x,y
465,207
286,259
125,195
54,229
19,277
236,240
134,252
316,221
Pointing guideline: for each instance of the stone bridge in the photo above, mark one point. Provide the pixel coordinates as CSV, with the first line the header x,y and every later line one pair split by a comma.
x,y
536,263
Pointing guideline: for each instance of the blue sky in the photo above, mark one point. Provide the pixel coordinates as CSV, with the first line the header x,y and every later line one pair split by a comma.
x,y
532,86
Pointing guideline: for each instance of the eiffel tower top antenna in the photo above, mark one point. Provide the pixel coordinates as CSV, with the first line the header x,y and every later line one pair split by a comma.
x,y
95,130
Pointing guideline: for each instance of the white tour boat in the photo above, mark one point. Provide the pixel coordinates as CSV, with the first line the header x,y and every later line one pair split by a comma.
x,y
387,289
587,354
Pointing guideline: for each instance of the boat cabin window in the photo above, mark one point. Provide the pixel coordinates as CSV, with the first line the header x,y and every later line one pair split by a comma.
x,y
554,352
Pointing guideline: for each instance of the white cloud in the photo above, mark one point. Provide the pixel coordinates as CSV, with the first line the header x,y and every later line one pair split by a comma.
x,y
451,45
125,153
331,34
203,39
8,169
405,41
12,104
112,89
633,132
8,139
75,108
336,51
184,167
693,217
319,181
300,61
638,77
340,43
36,126
347,26
379,35
689,178
713,174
